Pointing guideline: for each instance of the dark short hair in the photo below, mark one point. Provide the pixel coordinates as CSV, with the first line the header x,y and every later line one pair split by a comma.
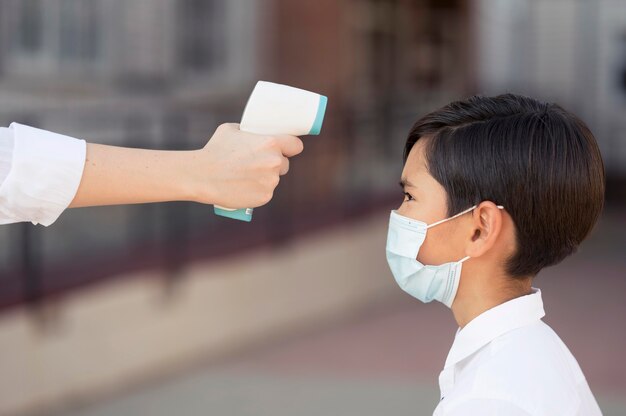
x,y
539,161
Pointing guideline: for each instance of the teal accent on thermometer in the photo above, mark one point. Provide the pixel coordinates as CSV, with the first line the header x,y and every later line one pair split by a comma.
x,y
319,117
244,214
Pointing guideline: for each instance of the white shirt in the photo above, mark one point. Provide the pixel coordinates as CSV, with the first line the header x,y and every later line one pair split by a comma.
x,y
507,361
39,173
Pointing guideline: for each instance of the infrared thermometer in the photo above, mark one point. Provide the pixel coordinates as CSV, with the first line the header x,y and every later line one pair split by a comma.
x,y
278,109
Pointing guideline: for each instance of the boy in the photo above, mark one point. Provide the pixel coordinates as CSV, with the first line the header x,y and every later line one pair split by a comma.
x,y
505,186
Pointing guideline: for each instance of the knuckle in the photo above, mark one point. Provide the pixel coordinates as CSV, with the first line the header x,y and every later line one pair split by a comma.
x,y
271,141
267,197
275,162
268,183
299,145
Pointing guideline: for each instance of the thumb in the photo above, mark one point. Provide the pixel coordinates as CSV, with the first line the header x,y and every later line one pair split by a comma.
x,y
289,145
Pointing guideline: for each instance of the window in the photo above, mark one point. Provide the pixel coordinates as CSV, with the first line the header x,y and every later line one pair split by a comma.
x,y
201,34
29,39
78,37
46,37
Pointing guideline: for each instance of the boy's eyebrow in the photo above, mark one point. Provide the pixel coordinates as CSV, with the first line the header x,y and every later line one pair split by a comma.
x,y
404,182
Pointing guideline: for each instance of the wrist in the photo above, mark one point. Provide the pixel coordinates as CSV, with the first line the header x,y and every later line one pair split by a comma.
x,y
196,181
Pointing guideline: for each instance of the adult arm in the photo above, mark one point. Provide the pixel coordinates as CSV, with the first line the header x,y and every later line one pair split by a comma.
x,y
50,172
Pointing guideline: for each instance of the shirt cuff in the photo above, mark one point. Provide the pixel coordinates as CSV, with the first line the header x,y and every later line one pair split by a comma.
x,y
6,152
44,175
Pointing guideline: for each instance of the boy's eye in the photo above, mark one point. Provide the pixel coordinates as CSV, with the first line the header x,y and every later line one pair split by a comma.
x,y
408,196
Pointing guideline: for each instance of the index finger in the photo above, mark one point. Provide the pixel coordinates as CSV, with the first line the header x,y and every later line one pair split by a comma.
x,y
289,145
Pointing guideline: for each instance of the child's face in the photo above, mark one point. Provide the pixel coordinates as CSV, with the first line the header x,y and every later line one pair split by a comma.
x,y
426,201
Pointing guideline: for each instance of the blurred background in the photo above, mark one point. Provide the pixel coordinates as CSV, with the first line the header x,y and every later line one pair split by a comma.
x,y
165,308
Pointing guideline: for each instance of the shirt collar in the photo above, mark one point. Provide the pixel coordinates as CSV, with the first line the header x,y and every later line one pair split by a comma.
x,y
495,322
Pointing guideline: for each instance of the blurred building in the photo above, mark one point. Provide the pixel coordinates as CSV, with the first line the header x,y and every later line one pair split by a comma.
x,y
570,51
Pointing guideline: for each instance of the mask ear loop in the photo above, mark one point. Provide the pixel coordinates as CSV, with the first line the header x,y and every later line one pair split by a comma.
x,y
466,257
452,217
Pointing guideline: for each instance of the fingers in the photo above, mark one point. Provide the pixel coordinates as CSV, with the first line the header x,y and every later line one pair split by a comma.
x,y
289,145
284,167
243,169
286,144
228,128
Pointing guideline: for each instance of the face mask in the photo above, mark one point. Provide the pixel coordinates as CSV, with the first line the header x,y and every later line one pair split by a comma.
x,y
424,282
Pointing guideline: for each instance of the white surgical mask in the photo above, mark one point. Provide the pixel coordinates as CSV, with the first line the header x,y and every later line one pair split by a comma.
x,y
404,239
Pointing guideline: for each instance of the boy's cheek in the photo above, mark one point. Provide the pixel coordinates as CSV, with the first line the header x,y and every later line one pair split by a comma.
x,y
437,250
424,255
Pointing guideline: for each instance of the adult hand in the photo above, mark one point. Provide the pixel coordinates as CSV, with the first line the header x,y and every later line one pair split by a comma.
x,y
237,169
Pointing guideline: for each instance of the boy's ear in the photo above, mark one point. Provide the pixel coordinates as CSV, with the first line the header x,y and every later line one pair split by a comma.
x,y
487,224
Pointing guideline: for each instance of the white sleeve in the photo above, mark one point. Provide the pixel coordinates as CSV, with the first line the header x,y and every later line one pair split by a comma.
x,y
481,407
6,153
40,172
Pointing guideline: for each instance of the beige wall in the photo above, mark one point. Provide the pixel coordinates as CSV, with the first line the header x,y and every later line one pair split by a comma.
x,y
105,338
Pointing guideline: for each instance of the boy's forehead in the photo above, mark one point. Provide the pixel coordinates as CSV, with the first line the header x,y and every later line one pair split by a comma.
x,y
415,162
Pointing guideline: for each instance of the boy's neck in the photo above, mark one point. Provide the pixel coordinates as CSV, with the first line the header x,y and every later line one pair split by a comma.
x,y
479,295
